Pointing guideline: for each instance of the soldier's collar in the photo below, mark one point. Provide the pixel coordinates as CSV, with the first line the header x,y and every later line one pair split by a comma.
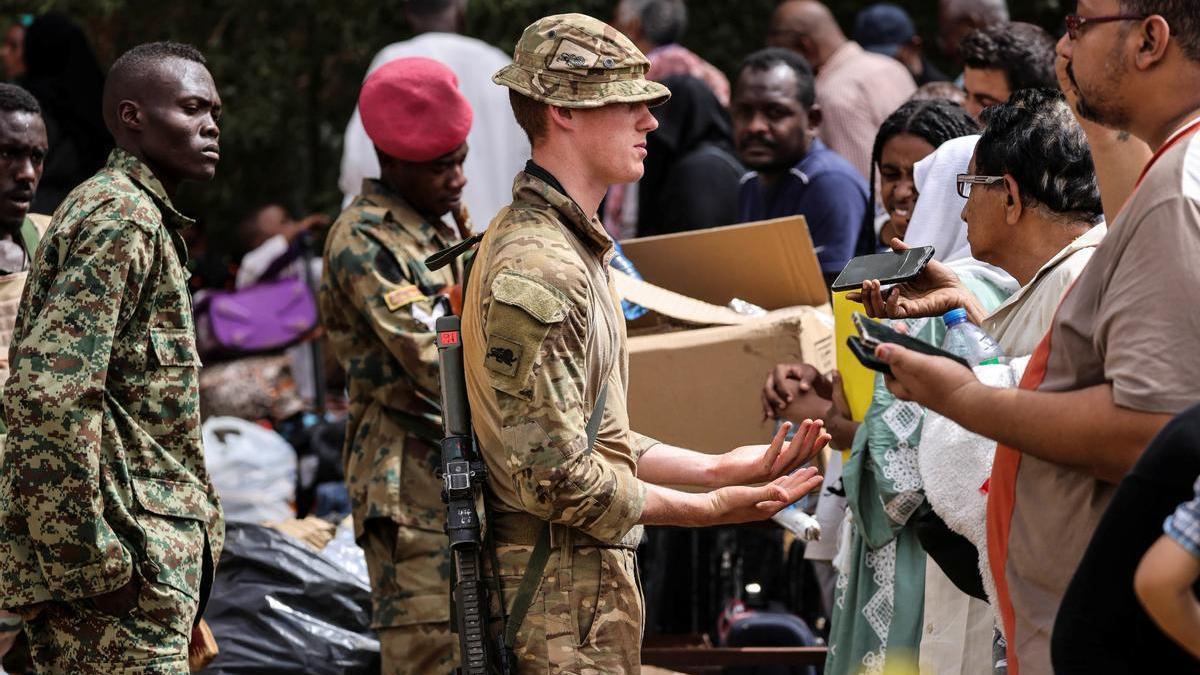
x,y
376,193
536,180
139,173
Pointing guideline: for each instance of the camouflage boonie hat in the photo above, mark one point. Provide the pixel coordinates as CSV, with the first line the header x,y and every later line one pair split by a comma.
x,y
575,61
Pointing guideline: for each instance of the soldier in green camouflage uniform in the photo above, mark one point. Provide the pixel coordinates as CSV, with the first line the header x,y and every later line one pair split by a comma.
x,y
543,338
23,138
109,526
378,305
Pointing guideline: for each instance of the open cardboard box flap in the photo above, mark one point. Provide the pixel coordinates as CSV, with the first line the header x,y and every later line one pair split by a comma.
x,y
770,263
673,304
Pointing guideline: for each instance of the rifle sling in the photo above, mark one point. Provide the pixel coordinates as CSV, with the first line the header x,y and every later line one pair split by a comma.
x,y
532,579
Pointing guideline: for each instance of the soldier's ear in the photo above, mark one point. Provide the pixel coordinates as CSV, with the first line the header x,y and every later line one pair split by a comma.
x,y
129,115
561,117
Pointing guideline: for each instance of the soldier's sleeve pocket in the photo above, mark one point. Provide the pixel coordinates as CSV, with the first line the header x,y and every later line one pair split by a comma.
x,y
522,313
174,347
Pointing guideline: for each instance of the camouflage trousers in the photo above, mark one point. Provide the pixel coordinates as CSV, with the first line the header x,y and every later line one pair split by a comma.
x,y
75,638
410,597
418,649
587,616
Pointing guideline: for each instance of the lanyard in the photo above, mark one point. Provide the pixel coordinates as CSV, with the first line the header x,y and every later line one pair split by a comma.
x,y
1182,133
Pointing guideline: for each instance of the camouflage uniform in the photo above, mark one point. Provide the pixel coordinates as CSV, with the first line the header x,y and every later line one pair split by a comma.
x,y
103,479
377,305
542,334
13,283
11,286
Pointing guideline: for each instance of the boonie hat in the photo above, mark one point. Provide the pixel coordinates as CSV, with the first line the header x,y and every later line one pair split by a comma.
x,y
575,61
883,28
412,110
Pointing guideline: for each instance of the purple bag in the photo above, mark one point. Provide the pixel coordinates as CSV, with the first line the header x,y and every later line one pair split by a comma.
x,y
267,316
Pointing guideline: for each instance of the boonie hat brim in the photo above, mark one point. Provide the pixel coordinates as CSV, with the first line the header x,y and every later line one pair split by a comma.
x,y
556,90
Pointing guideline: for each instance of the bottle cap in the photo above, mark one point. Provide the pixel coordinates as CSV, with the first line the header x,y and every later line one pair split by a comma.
x,y
955,317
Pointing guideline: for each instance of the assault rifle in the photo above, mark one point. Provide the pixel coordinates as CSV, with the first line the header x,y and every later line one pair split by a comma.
x,y
464,476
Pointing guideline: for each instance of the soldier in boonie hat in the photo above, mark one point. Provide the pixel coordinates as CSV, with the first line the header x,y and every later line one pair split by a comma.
x,y
545,354
575,61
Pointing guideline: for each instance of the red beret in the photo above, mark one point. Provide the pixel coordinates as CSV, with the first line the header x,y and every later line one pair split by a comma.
x,y
412,109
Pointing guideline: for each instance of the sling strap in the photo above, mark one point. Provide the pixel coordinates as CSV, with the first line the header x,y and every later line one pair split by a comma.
x,y
532,579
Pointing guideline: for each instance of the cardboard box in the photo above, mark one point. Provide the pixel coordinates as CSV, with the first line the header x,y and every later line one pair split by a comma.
x,y
770,263
697,367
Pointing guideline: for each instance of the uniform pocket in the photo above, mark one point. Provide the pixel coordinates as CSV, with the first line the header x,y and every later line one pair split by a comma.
x,y
521,315
174,346
172,516
616,617
586,593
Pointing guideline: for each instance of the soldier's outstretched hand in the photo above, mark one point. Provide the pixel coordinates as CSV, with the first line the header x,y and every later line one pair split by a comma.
x,y
741,504
751,464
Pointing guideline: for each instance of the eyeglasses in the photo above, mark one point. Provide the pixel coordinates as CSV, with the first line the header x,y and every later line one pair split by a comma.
x,y
1076,23
966,180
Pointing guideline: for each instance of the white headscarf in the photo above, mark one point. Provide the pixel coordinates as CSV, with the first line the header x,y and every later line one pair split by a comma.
x,y
937,219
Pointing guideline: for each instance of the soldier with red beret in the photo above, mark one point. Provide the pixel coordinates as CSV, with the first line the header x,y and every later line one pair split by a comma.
x,y
378,304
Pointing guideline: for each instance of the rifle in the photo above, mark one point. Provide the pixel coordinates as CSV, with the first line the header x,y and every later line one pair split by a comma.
x,y
464,476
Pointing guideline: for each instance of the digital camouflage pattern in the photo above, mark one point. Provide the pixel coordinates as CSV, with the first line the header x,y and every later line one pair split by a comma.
x,y
540,297
103,475
575,61
13,284
377,305
79,639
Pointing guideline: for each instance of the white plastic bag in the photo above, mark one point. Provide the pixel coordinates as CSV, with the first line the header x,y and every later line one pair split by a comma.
x,y
253,469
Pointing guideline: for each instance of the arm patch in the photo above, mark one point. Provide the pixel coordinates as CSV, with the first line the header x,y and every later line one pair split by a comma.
x,y
523,312
542,301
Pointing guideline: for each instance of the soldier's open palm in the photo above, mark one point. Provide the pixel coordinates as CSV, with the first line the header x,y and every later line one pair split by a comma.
x,y
741,504
751,464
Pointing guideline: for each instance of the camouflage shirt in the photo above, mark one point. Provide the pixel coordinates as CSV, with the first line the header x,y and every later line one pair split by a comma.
x,y
542,334
377,305
104,469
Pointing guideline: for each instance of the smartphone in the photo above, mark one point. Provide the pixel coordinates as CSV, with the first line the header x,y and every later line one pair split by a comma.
x,y
866,356
872,334
893,267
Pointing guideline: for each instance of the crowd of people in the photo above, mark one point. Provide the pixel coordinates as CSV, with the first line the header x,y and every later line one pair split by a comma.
x,y
1037,513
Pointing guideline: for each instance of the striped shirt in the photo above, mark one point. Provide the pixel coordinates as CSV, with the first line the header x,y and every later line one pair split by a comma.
x,y
857,90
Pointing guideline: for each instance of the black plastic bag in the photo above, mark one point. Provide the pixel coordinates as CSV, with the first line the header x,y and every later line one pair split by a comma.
x,y
277,606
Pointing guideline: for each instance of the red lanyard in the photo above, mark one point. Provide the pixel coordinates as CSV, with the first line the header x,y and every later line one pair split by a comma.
x,y
1185,131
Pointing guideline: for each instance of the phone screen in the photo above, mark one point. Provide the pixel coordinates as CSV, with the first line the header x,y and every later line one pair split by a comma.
x,y
889,268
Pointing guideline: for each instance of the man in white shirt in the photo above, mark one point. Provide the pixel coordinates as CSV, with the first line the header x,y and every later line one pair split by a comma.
x,y
498,146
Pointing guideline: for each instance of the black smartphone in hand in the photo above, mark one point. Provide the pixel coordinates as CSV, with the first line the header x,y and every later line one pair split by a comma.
x,y
893,267
873,333
866,355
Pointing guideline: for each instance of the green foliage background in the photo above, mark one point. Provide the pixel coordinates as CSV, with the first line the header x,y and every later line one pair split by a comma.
x,y
289,71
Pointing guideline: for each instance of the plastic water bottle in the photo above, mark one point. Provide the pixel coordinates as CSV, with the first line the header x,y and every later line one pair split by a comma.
x,y
620,262
969,341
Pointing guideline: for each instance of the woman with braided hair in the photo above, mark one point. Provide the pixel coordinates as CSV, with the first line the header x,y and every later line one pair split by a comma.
x,y
907,136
